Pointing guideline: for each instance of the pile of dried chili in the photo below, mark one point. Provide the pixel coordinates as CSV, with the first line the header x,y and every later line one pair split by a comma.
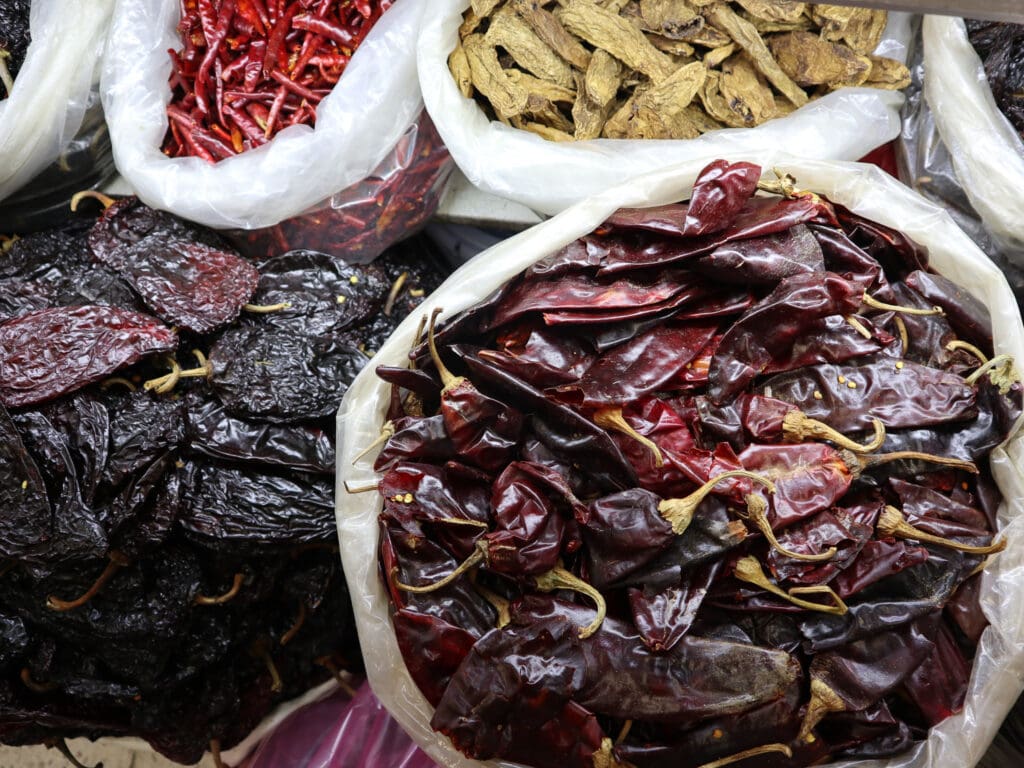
x,y
1001,48
706,486
359,222
168,550
250,68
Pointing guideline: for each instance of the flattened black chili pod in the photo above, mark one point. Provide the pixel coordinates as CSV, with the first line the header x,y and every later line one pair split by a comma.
x,y
281,376
25,522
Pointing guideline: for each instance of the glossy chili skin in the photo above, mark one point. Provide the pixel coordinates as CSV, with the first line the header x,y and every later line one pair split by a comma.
x,y
789,310
904,397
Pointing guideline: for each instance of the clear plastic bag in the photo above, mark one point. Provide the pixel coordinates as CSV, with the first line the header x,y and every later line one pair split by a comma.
x,y
51,93
985,150
998,674
926,164
549,176
360,222
339,732
358,124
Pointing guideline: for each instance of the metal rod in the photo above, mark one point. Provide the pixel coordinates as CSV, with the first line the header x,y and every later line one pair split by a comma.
x,y
993,10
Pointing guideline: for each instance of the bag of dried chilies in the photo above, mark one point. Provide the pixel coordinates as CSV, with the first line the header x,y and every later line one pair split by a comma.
x,y
974,85
549,102
45,87
687,485
245,114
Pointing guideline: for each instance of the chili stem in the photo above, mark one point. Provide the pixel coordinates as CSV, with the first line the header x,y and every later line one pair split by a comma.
x,y
679,512
858,326
859,464
386,432
448,379
478,556
612,418
236,585
901,329
876,304
749,570
956,344
893,523
215,753
105,200
559,578
61,746
266,309
396,288
117,561
797,427
757,513
499,603
747,753
823,700
293,630
32,685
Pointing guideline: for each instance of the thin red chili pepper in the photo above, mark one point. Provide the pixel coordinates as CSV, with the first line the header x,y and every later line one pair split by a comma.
x,y
275,110
245,124
324,27
211,143
310,46
276,39
219,33
295,87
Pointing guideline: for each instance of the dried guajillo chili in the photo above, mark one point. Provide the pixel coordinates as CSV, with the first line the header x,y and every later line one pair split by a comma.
x,y
767,504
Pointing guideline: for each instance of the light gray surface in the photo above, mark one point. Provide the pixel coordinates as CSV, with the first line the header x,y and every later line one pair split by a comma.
x,y
999,10
88,753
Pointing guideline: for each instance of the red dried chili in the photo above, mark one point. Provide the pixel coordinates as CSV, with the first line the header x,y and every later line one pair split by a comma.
x,y
235,49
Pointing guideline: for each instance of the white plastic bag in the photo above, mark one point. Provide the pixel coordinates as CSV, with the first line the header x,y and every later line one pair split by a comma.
x,y
51,92
549,176
987,153
998,674
373,104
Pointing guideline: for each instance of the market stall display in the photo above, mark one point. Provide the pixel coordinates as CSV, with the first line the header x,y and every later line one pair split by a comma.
x,y
169,553
540,423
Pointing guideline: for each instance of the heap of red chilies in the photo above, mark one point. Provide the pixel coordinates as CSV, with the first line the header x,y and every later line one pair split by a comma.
x,y
250,68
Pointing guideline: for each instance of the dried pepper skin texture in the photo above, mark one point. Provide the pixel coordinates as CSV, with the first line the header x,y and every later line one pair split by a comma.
x,y
323,294
764,260
719,193
280,376
746,351
52,352
638,367
23,496
212,431
904,397
965,313
437,646
186,283
226,505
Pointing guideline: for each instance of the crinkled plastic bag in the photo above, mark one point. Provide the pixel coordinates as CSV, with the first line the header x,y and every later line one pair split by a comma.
x,y
549,176
998,674
926,164
358,123
361,222
51,92
339,732
987,153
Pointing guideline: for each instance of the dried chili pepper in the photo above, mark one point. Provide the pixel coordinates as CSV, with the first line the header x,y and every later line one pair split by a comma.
x,y
51,352
233,51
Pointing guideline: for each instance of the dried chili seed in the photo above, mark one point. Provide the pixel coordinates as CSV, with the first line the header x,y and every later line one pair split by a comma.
x,y
54,351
